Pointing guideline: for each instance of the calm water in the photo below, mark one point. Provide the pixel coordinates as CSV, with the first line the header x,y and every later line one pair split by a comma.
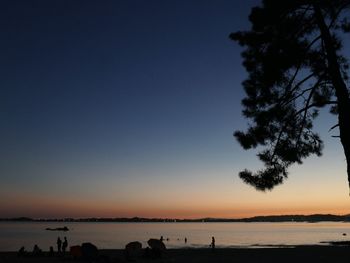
x,y
13,235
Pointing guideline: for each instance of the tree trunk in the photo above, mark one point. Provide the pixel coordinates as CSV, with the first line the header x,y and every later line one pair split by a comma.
x,y
339,85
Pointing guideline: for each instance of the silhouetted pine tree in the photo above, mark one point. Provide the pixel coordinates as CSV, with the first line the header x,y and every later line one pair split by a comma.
x,y
293,57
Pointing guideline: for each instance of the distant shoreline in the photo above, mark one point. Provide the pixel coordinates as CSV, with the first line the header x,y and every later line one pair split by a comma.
x,y
314,218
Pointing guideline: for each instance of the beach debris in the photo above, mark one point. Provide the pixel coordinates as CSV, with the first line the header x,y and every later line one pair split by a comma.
x,y
344,234
76,251
133,250
89,251
58,229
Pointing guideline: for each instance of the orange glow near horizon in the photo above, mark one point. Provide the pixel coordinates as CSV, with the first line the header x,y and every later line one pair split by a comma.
x,y
52,208
308,191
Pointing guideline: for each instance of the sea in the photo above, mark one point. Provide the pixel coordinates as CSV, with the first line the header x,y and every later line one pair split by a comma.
x,y
14,235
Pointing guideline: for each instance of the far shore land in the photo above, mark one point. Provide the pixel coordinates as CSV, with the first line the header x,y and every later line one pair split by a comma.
x,y
297,254
313,218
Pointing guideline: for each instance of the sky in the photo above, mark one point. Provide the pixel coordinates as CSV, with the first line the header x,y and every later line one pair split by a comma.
x,y
127,108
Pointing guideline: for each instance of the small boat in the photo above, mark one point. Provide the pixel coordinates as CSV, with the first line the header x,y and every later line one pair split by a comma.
x,y
58,229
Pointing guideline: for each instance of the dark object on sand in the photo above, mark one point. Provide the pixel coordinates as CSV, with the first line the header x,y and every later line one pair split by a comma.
x,y
344,234
338,243
76,252
133,250
89,251
157,247
58,229
156,244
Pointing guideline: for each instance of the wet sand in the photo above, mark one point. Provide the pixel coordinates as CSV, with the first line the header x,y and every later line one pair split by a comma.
x,y
236,255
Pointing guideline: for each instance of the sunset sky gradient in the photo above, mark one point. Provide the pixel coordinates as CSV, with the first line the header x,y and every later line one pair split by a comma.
x,y
127,108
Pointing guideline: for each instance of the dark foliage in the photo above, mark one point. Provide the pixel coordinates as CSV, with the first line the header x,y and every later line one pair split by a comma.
x,y
292,56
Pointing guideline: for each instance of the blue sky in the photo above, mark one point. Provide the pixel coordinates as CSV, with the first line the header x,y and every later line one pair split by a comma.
x,y
118,103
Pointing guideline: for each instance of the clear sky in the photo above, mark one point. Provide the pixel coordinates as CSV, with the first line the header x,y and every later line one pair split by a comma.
x,y
127,108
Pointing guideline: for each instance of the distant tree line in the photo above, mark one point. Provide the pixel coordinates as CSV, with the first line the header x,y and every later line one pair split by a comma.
x,y
272,218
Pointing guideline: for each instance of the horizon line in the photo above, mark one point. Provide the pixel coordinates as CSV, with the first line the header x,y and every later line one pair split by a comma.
x,y
163,218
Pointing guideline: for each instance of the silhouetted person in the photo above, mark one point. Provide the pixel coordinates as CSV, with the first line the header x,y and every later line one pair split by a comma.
x,y
161,238
51,252
59,244
212,243
64,245
21,252
36,250
185,240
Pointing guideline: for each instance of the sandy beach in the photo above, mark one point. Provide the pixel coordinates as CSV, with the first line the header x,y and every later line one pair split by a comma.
x,y
296,255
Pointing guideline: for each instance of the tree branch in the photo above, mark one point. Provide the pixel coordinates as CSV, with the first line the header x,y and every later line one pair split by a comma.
x,y
333,127
297,71
285,96
305,112
315,105
341,8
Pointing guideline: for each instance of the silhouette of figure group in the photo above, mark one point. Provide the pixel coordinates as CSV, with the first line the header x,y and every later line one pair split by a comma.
x,y
61,247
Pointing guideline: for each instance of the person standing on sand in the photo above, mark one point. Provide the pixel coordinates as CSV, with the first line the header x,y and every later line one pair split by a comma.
x,y
59,243
64,245
51,253
212,243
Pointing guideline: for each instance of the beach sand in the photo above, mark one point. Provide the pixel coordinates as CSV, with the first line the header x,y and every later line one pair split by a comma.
x,y
235,255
